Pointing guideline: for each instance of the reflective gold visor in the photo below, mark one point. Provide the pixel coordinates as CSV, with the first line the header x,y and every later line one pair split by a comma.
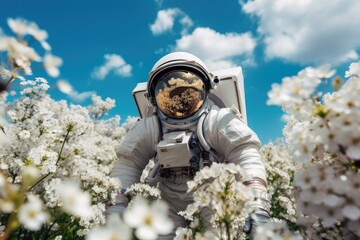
x,y
180,94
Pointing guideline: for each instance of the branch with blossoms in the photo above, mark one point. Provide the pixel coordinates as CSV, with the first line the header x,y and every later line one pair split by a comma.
x,y
320,123
47,136
84,152
19,201
323,133
18,55
59,143
221,204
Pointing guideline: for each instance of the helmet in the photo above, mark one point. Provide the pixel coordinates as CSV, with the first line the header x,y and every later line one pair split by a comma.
x,y
178,86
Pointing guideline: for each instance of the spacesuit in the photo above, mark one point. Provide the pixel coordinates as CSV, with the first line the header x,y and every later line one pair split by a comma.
x,y
178,88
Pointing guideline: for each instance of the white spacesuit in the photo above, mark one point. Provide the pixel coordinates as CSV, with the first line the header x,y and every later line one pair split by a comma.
x,y
178,87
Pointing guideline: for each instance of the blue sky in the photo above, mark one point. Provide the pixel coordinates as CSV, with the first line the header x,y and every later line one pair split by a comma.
x,y
270,39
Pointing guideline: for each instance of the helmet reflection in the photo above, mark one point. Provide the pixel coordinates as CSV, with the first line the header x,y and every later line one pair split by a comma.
x,y
180,94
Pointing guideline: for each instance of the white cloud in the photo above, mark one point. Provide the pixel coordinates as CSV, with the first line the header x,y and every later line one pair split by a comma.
x,y
308,31
165,21
113,63
215,49
66,88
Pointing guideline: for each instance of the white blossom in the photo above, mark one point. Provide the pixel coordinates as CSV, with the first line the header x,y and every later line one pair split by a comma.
x,y
31,214
144,190
354,70
292,90
30,173
233,204
5,74
100,107
322,72
74,200
23,27
115,229
329,215
276,231
18,26
183,234
148,220
6,205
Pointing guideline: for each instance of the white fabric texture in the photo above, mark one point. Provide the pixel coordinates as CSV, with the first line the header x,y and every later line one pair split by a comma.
x,y
234,141
135,151
231,138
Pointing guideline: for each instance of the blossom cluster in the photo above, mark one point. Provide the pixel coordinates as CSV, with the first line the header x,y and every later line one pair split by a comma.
x,y
276,231
146,215
280,169
322,134
146,220
330,194
59,142
143,189
321,123
20,55
221,204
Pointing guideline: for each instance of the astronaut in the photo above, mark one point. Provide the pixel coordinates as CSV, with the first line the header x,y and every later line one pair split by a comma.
x,y
187,132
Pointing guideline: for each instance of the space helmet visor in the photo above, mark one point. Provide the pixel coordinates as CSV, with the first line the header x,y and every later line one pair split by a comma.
x,y
180,94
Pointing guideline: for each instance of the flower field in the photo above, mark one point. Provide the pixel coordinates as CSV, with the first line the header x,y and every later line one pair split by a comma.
x,y
56,158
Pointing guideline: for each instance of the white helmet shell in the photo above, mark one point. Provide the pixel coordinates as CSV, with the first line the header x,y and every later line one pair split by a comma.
x,y
174,62
177,57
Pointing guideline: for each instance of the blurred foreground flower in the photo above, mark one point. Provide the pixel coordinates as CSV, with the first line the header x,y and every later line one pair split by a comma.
x,y
74,200
115,229
31,214
275,231
19,54
150,221
22,27
146,220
